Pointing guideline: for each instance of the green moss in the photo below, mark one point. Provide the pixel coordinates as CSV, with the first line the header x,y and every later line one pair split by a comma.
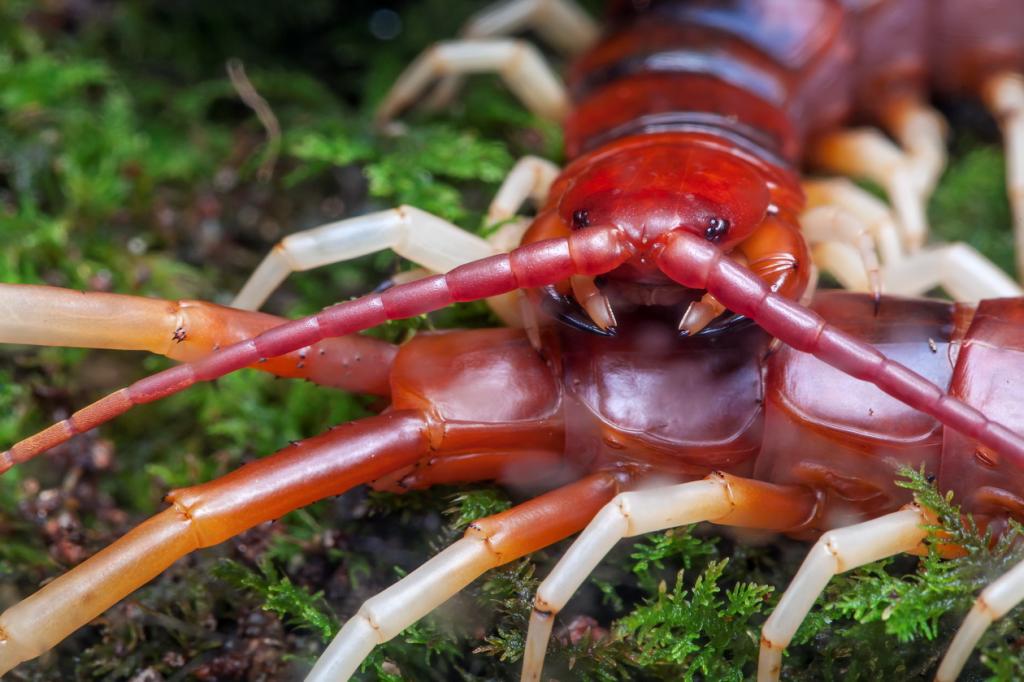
x,y
293,603
700,633
919,606
971,205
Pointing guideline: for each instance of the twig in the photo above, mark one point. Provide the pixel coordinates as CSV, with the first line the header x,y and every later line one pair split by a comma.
x,y
244,87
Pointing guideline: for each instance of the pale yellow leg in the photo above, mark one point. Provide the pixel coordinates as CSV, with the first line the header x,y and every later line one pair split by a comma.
x,y
720,498
628,514
421,237
519,64
431,242
562,24
867,153
839,221
921,131
1004,95
835,552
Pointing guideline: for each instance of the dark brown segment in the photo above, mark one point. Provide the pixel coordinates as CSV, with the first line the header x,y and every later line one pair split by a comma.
x,y
660,102
684,406
696,263
816,62
835,433
972,39
793,57
891,39
990,375
652,47
791,33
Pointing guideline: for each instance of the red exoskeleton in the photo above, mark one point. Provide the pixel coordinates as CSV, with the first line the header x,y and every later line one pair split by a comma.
x,y
667,370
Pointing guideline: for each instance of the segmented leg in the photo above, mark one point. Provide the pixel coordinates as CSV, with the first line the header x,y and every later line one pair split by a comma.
x,y
1004,96
921,131
590,251
560,23
872,213
488,543
520,65
182,330
843,246
416,235
207,514
909,176
687,258
867,153
430,242
958,268
993,603
965,274
719,498
835,552
530,178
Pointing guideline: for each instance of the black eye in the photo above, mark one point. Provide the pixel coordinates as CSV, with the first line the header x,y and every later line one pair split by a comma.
x,y
716,229
580,218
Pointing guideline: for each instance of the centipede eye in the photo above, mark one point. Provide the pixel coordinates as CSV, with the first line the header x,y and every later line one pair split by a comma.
x,y
580,218
716,230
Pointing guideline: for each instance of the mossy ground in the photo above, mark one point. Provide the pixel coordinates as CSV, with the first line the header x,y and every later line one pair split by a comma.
x,y
129,163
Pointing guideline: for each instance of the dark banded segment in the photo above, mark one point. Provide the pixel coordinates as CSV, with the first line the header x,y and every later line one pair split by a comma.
x,y
720,64
789,32
656,103
757,72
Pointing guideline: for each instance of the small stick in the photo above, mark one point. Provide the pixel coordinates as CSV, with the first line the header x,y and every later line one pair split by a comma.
x,y
245,89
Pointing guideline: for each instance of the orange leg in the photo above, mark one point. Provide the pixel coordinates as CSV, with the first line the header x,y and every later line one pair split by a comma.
x,y
182,330
508,467
488,543
207,514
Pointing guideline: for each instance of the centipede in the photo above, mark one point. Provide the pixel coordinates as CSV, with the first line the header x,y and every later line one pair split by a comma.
x,y
667,359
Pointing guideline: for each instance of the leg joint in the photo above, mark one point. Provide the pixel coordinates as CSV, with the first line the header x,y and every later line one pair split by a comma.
x,y
186,511
722,480
366,613
544,608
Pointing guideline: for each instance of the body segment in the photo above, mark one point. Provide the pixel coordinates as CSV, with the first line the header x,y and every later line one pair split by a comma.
x,y
763,412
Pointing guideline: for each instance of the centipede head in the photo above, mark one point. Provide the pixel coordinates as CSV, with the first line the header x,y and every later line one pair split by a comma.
x,y
648,186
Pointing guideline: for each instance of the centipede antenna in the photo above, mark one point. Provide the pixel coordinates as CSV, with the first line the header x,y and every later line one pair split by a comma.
x,y
590,251
694,262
